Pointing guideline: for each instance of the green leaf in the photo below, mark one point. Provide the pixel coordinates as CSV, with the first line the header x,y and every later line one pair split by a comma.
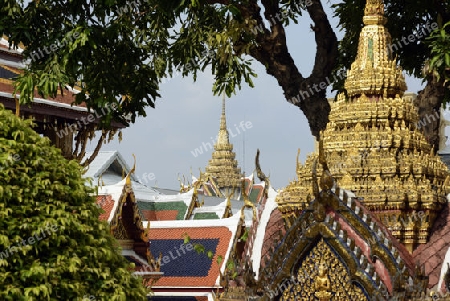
x,y
45,202
210,254
199,248
186,238
219,259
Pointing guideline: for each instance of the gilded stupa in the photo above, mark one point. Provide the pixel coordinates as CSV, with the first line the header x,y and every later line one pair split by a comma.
x,y
373,147
223,166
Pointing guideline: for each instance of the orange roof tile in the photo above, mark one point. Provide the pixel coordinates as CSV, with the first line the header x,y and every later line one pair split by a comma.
x,y
107,204
223,234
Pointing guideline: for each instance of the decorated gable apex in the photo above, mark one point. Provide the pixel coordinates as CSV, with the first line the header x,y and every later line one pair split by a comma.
x,y
108,168
121,212
337,249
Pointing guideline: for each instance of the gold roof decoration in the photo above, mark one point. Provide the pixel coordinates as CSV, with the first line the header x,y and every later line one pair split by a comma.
x,y
223,166
372,145
336,250
374,70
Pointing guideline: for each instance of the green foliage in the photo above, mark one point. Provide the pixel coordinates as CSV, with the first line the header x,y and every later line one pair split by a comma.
x,y
219,259
439,64
42,195
119,51
199,248
440,49
244,236
231,267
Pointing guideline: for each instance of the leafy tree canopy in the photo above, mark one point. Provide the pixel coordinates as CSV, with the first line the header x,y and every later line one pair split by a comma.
x,y
52,244
439,64
119,51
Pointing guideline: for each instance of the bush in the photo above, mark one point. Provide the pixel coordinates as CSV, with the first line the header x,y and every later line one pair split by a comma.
x,y
52,245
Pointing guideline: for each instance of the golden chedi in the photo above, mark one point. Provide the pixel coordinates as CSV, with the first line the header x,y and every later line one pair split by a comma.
x,y
372,145
223,166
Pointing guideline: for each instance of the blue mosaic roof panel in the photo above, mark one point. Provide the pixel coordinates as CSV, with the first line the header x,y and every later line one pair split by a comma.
x,y
177,261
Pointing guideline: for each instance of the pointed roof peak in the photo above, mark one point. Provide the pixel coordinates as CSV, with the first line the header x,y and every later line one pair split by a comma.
x,y
375,71
223,166
223,136
374,12
223,117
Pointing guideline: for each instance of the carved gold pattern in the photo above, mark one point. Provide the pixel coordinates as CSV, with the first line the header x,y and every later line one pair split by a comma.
x,y
372,144
118,228
120,232
223,166
335,284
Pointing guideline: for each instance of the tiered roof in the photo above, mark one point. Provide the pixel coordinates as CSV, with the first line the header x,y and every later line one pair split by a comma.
x,y
373,146
223,166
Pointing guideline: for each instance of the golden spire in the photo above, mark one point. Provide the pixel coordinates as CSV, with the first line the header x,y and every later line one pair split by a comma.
x,y
223,165
374,71
223,137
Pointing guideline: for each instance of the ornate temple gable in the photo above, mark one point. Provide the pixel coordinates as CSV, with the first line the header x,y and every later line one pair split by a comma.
x,y
127,227
122,213
345,253
238,280
126,222
373,147
261,225
223,166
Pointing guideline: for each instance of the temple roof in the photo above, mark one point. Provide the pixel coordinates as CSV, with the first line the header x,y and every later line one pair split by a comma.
x,y
267,226
11,65
181,296
373,146
109,166
431,255
334,221
223,166
189,269
121,212
106,202
43,110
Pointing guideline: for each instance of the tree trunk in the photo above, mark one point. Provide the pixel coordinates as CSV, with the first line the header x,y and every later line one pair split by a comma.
x,y
307,93
428,103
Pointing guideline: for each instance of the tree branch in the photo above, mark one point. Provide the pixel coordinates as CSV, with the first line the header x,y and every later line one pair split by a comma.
x,y
272,51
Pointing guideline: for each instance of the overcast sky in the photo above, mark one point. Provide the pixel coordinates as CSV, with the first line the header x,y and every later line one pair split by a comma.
x,y
188,115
